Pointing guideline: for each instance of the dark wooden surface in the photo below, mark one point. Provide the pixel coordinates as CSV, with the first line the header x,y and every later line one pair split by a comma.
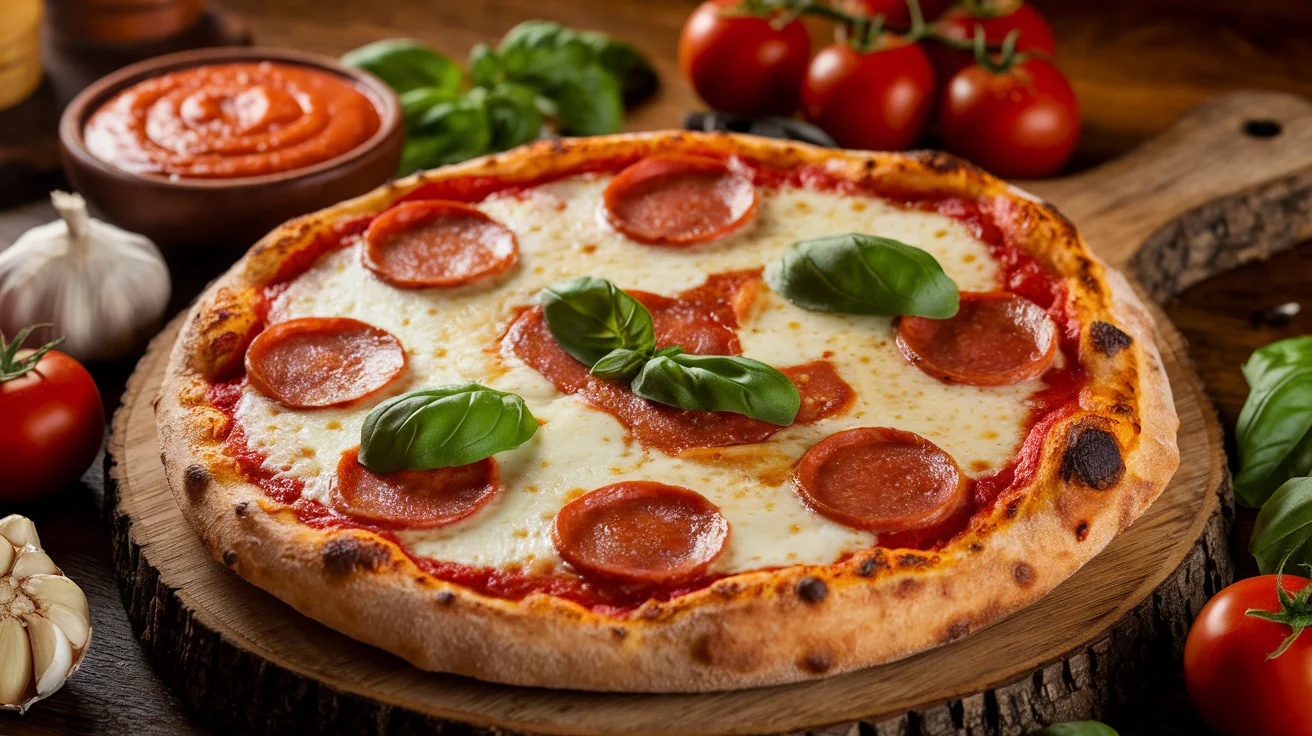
x,y
1135,66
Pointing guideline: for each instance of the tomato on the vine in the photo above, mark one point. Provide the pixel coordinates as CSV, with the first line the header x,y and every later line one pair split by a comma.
x,y
998,18
744,63
897,13
1251,675
1015,117
876,98
53,421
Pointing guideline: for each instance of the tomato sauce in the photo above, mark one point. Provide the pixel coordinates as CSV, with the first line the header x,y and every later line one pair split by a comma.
x,y
221,121
1020,273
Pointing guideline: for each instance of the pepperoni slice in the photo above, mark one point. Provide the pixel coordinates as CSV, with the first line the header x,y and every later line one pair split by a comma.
x,y
641,532
435,243
881,480
315,362
996,338
679,200
415,499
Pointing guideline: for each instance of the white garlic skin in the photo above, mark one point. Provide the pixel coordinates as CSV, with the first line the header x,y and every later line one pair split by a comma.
x,y
102,288
45,624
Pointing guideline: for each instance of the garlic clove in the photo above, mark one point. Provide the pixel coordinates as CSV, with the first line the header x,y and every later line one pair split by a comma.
x,y
7,554
51,589
15,661
52,656
19,530
74,625
33,562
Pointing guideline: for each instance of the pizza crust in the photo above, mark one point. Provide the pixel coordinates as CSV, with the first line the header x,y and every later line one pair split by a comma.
x,y
750,629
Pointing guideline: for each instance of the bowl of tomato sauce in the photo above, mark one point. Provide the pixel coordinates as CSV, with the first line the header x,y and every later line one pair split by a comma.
x,y
215,147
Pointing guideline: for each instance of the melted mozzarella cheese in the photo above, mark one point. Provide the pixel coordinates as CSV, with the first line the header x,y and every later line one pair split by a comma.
x,y
451,335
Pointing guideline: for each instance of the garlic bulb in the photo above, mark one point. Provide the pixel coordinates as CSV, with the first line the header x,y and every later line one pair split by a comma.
x,y
104,289
45,625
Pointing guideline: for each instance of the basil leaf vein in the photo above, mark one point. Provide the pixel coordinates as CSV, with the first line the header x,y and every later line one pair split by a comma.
x,y
1284,528
719,383
443,427
856,273
590,317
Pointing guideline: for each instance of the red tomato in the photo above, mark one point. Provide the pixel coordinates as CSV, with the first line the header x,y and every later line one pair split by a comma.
x,y
52,427
878,100
998,19
1231,681
1022,123
897,13
742,63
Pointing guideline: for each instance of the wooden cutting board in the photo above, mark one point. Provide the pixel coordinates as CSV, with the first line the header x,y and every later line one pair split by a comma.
x,y
1231,182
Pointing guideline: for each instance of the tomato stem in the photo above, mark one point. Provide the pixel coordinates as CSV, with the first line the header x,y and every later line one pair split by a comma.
x,y
1007,56
1295,610
10,366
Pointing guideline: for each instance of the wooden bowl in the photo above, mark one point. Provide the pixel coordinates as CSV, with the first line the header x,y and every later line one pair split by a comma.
x,y
225,212
122,21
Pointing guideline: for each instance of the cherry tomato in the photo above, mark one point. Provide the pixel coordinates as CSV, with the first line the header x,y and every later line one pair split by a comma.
x,y
1232,682
897,13
998,18
1022,123
876,100
742,63
52,427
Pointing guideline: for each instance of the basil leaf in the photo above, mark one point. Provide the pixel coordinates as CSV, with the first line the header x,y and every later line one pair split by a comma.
x,y
590,317
420,100
513,115
558,62
620,363
1295,351
443,427
638,79
588,102
448,133
406,64
486,67
1272,430
1078,728
1284,527
719,383
863,274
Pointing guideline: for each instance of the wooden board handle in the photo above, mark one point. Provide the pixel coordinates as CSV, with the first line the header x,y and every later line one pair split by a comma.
x,y
1234,172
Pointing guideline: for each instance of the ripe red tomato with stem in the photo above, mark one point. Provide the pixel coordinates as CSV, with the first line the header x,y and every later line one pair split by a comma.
x,y
872,90
1014,115
1248,662
745,56
52,423
951,49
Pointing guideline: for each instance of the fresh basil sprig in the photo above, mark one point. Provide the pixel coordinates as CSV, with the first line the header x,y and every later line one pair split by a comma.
x,y
405,64
863,274
1274,430
1283,533
1077,728
612,333
719,383
591,317
443,427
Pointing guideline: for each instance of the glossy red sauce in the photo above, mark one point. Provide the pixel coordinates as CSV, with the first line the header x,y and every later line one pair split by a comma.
x,y
987,221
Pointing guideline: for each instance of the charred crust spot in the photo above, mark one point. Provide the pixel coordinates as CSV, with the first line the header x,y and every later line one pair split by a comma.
x,y
817,663
976,547
1081,531
941,163
230,558
1108,339
445,597
194,480
727,588
872,565
652,612
1012,508
1122,409
1092,458
958,630
241,509
907,587
619,632
346,554
812,589
1024,574
912,561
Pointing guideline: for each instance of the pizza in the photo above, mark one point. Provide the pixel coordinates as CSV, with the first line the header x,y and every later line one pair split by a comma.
x,y
667,412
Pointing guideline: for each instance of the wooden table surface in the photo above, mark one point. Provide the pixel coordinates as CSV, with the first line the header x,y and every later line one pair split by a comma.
x,y
1135,68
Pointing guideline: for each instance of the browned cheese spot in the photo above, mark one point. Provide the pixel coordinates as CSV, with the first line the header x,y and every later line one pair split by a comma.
x,y
812,589
1024,574
343,555
1092,458
1108,339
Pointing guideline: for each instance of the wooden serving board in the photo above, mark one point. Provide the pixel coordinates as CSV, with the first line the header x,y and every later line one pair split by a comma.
x,y
1205,196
